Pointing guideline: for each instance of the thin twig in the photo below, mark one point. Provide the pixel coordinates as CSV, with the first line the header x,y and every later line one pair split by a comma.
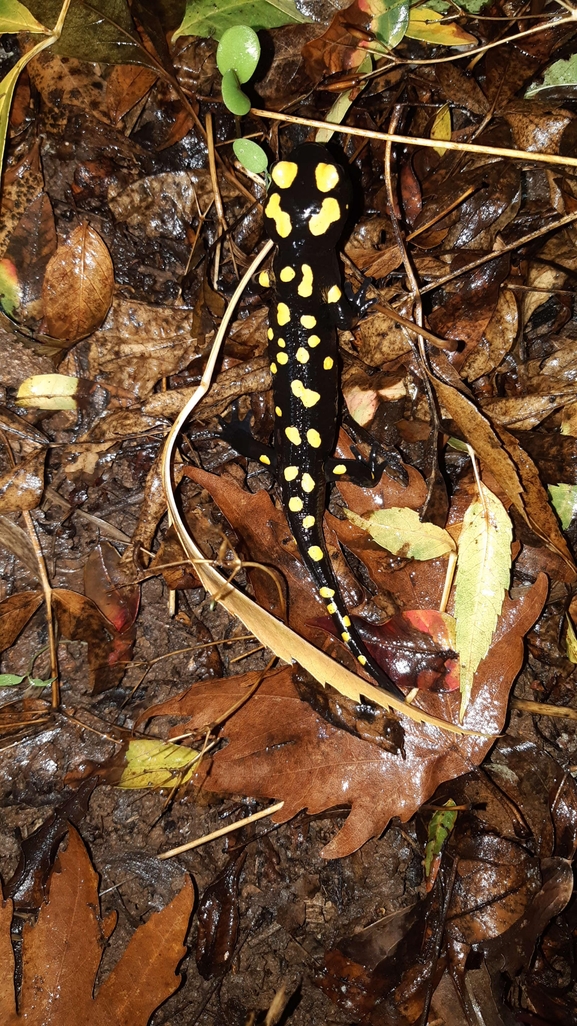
x,y
223,831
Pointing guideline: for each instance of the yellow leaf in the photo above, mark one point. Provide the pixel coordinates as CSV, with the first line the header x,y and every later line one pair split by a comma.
x,y
425,24
401,532
15,17
48,392
571,641
153,763
483,566
442,127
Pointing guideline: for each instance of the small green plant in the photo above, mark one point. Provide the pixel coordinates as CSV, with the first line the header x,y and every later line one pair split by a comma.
x,y
237,57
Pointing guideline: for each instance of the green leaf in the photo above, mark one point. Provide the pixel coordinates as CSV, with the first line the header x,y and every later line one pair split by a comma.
x,y
239,50
37,682
232,95
561,73
564,499
401,532
207,18
15,17
391,26
441,825
9,286
153,763
251,155
426,25
483,568
8,680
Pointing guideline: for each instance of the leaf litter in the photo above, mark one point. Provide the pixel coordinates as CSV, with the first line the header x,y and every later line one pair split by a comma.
x,y
120,251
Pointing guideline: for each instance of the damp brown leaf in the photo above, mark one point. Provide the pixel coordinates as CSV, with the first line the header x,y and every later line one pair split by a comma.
x,y
61,954
78,285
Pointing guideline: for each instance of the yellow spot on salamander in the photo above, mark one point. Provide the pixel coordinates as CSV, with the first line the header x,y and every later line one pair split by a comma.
x,y
305,288
339,469
308,321
284,173
281,343
293,435
280,217
316,553
278,411
287,274
295,504
270,334
326,592
334,294
283,314
326,177
307,483
307,396
264,279
282,358
345,636
313,341
329,213
273,368
308,521
290,473
328,363
264,459
302,355
346,621
331,608
362,660
313,438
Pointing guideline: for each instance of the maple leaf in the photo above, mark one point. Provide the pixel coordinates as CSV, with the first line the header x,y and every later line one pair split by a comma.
x,y
279,748
61,955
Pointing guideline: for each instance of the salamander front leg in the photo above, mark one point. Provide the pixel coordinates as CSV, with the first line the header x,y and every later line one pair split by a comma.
x,y
239,436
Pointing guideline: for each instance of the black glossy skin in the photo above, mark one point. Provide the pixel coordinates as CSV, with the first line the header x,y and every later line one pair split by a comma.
x,y
304,365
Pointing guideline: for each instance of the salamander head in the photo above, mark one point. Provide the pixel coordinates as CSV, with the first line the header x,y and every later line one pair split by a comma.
x,y
308,200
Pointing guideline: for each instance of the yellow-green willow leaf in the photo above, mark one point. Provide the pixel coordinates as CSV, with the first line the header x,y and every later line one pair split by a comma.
x,y
483,567
570,641
153,763
401,532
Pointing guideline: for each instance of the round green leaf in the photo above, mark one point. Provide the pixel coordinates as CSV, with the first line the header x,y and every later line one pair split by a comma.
x,y
251,155
238,50
232,94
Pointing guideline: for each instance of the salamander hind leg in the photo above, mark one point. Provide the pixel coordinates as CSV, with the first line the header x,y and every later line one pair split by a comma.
x,y
239,436
360,471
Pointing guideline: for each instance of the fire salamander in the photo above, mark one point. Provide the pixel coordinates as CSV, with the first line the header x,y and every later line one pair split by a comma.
x,y
305,213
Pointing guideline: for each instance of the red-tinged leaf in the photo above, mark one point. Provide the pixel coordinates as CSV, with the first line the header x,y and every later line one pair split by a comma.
x,y
15,612
79,619
109,585
61,954
22,488
78,286
413,654
279,748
